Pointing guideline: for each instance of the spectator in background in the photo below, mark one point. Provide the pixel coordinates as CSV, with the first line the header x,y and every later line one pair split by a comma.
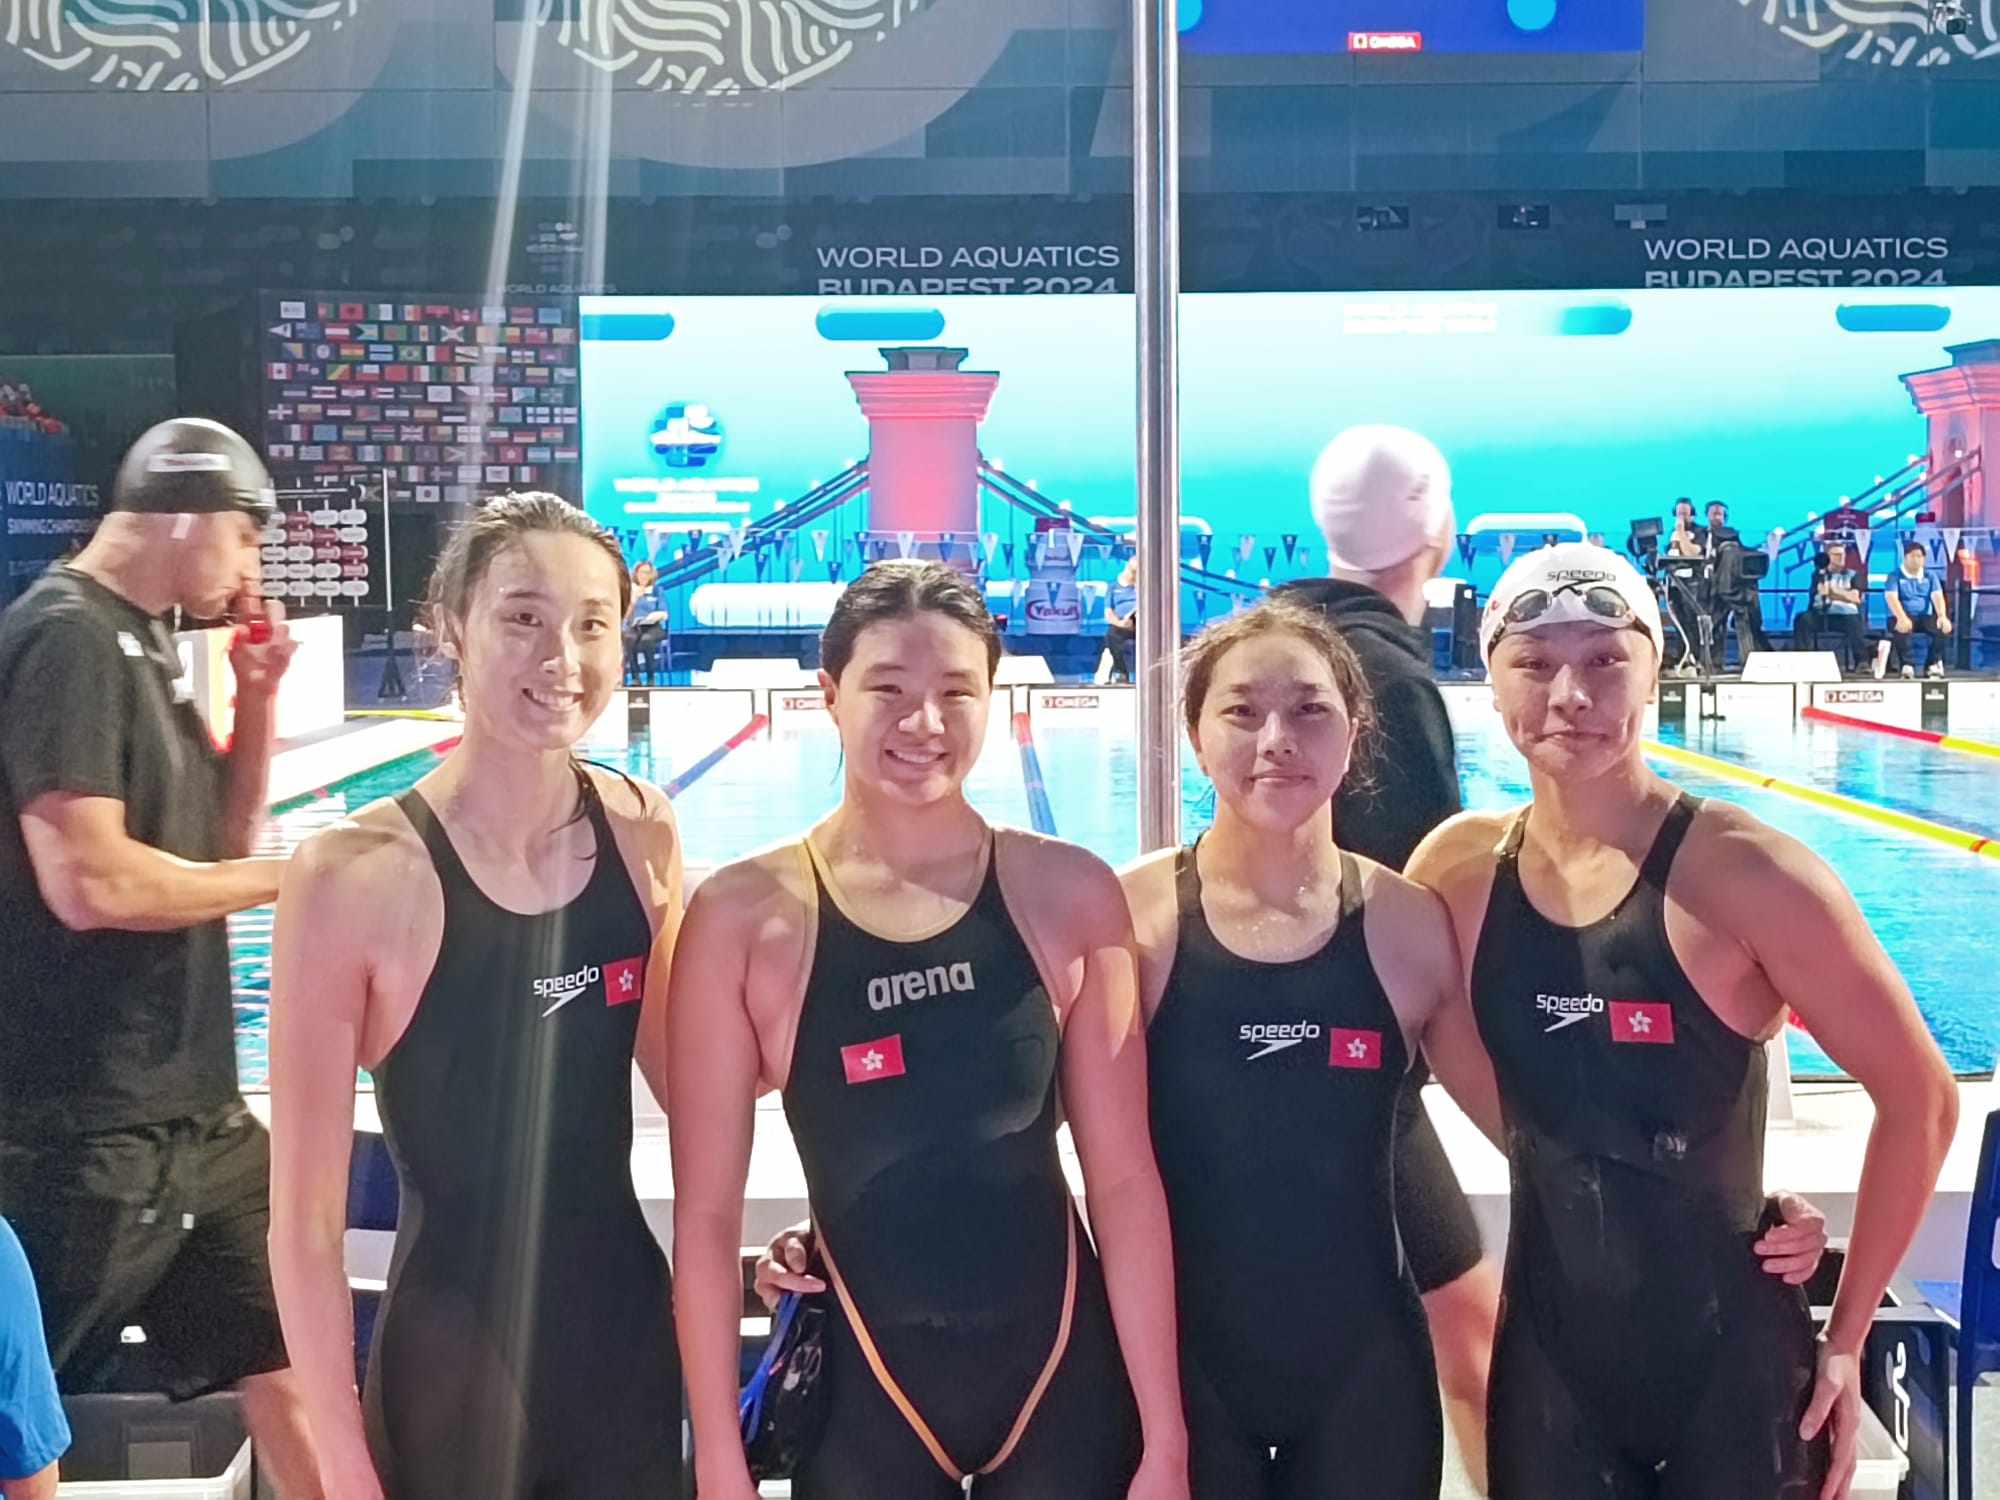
x,y
1916,607
1838,595
33,1431
1717,531
1121,620
645,627
1684,542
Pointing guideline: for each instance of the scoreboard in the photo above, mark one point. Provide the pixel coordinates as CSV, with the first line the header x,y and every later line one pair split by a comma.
x,y
1378,27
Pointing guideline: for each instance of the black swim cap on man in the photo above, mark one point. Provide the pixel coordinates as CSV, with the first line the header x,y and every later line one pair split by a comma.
x,y
190,464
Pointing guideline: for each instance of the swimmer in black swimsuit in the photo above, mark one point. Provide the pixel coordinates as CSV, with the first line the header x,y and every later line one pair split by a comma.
x,y
485,946
931,995
1288,984
1629,950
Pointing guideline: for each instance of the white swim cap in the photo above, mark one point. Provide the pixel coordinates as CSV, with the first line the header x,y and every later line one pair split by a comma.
x,y
1568,582
1380,495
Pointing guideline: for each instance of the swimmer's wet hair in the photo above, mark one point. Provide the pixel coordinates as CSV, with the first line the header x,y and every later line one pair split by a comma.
x,y
503,520
1278,615
902,590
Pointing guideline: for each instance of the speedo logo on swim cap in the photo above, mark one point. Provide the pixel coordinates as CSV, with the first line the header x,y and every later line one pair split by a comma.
x,y
1567,1010
1582,575
188,463
1275,1036
891,990
563,988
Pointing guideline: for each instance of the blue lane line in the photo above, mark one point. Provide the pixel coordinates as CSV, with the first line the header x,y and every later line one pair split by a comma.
x,y
1039,812
714,757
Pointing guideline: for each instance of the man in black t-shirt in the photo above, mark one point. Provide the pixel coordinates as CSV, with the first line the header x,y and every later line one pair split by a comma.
x,y
129,1166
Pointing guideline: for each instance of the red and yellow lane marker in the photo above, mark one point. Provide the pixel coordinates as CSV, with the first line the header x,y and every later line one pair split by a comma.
x,y
1983,845
1922,736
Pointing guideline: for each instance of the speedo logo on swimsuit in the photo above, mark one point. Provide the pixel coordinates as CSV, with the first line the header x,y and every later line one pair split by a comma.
x,y
1275,1036
563,988
892,990
624,980
1567,1010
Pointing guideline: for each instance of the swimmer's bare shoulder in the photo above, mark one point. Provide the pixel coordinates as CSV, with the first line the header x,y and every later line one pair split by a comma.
x,y
643,825
368,877
366,903
1735,873
1068,895
752,922
1411,940
1456,859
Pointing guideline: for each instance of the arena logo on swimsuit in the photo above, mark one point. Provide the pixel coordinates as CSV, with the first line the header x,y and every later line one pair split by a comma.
x,y
892,990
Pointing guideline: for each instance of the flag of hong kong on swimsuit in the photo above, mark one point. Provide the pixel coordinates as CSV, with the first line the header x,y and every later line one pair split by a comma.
x,y
1649,1021
1354,1049
871,1062
624,980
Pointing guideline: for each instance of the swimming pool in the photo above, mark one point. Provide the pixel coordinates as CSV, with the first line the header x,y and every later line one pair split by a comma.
x,y
1935,908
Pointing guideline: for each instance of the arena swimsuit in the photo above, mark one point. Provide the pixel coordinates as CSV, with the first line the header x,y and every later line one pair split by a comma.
x,y
1643,1353
975,1332
1274,1091
526,1346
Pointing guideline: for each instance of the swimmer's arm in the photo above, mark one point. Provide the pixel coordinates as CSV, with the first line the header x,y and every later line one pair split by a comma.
x,y
1458,1058
664,888
1104,1094
1826,964
94,875
1455,863
1149,895
247,773
319,1007
713,1066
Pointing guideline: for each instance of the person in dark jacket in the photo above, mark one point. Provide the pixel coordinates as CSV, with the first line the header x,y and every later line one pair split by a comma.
x,y
1382,499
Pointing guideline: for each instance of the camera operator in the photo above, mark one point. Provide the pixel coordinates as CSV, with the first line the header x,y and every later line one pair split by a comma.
x,y
1684,542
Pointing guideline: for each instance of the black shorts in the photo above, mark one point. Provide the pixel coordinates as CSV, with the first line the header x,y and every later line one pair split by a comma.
x,y
1440,1236
161,1227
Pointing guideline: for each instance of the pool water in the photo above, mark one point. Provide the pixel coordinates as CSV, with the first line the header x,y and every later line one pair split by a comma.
x,y
1935,908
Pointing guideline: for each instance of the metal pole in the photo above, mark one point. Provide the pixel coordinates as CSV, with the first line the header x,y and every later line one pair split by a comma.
x,y
1156,282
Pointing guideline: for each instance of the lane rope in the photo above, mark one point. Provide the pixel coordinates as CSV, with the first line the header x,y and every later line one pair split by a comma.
x,y
1922,736
1868,812
1039,811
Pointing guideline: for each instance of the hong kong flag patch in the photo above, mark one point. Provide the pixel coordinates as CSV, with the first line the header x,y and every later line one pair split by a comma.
x,y
1647,1021
1354,1049
871,1062
624,981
